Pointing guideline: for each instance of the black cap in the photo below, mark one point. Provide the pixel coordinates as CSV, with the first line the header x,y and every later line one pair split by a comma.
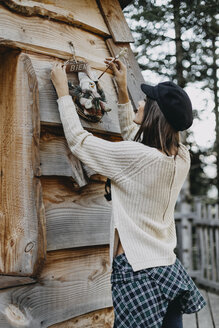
x,y
173,102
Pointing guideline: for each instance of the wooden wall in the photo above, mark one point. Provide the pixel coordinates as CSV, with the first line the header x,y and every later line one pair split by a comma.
x,y
54,227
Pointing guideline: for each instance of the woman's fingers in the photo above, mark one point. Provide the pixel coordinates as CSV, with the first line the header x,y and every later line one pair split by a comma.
x,y
114,68
57,64
120,64
112,65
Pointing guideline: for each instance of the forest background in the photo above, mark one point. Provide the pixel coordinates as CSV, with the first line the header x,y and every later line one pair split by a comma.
x,y
178,40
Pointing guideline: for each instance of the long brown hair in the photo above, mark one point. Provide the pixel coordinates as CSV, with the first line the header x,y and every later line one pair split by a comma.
x,y
155,131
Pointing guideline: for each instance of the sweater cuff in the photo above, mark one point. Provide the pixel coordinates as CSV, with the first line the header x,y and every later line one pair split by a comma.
x,y
124,105
65,100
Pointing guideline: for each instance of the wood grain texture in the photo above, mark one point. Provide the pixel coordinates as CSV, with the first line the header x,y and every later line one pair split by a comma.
x,y
115,20
134,76
49,113
22,245
72,12
204,316
103,318
214,304
12,281
50,37
75,216
57,159
72,283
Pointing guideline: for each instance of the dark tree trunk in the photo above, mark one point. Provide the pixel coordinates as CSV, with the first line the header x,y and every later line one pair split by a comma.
x,y
178,41
185,195
215,91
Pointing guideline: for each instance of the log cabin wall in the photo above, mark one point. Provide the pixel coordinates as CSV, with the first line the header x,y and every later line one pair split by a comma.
x,y
54,227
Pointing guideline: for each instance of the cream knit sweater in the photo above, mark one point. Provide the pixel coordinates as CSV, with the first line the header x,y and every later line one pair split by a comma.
x,y
145,184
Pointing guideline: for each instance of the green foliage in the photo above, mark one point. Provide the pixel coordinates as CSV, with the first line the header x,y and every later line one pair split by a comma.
x,y
201,183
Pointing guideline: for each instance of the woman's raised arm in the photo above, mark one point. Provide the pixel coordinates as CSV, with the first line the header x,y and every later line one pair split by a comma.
x,y
125,110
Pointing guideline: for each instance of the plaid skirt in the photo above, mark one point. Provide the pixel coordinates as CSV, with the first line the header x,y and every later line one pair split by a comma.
x,y
141,298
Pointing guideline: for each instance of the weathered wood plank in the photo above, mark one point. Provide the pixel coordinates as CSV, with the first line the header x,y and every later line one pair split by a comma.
x,y
72,282
57,159
212,254
206,222
214,304
48,105
208,283
115,20
134,76
75,216
189,320
12,281
204,315
23,241
207,246
72,12
186,243
217,253
50,38
103,318
217,241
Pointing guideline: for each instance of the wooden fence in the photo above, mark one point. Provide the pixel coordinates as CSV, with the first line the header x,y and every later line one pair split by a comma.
x,y
198,242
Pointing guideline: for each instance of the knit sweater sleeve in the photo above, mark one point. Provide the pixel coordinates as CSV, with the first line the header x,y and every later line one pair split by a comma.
x,y
105,157
127,126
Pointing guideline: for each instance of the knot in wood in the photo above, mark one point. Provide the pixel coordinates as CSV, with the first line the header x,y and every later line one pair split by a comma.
x,y
29,246
16,316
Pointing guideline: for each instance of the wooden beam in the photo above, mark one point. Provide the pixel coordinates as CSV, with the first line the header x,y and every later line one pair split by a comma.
x,y
75,216
95,319
115,20
72,283
134,76
214,301
204,316
14,281
57,159
22,224
52,38
49,113
74,12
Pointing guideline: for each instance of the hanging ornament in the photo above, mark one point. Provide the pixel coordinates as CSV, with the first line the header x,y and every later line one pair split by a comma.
x,y
88,95
74,65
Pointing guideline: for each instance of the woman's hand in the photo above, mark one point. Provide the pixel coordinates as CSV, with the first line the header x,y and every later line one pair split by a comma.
x,y
120,72
59,79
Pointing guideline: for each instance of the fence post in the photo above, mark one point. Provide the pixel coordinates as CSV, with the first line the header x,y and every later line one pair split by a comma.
x,y
186,236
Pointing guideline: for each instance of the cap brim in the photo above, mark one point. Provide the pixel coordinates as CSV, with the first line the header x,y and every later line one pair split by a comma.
x,y
148,90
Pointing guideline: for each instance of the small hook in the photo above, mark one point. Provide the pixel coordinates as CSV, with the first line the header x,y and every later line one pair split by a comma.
x,y
72,50
71,45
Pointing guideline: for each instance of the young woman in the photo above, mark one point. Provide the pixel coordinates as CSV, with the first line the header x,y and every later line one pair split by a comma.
x,y
150,286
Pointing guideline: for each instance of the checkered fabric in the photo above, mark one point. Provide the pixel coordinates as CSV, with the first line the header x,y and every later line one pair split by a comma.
x,y
141,298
